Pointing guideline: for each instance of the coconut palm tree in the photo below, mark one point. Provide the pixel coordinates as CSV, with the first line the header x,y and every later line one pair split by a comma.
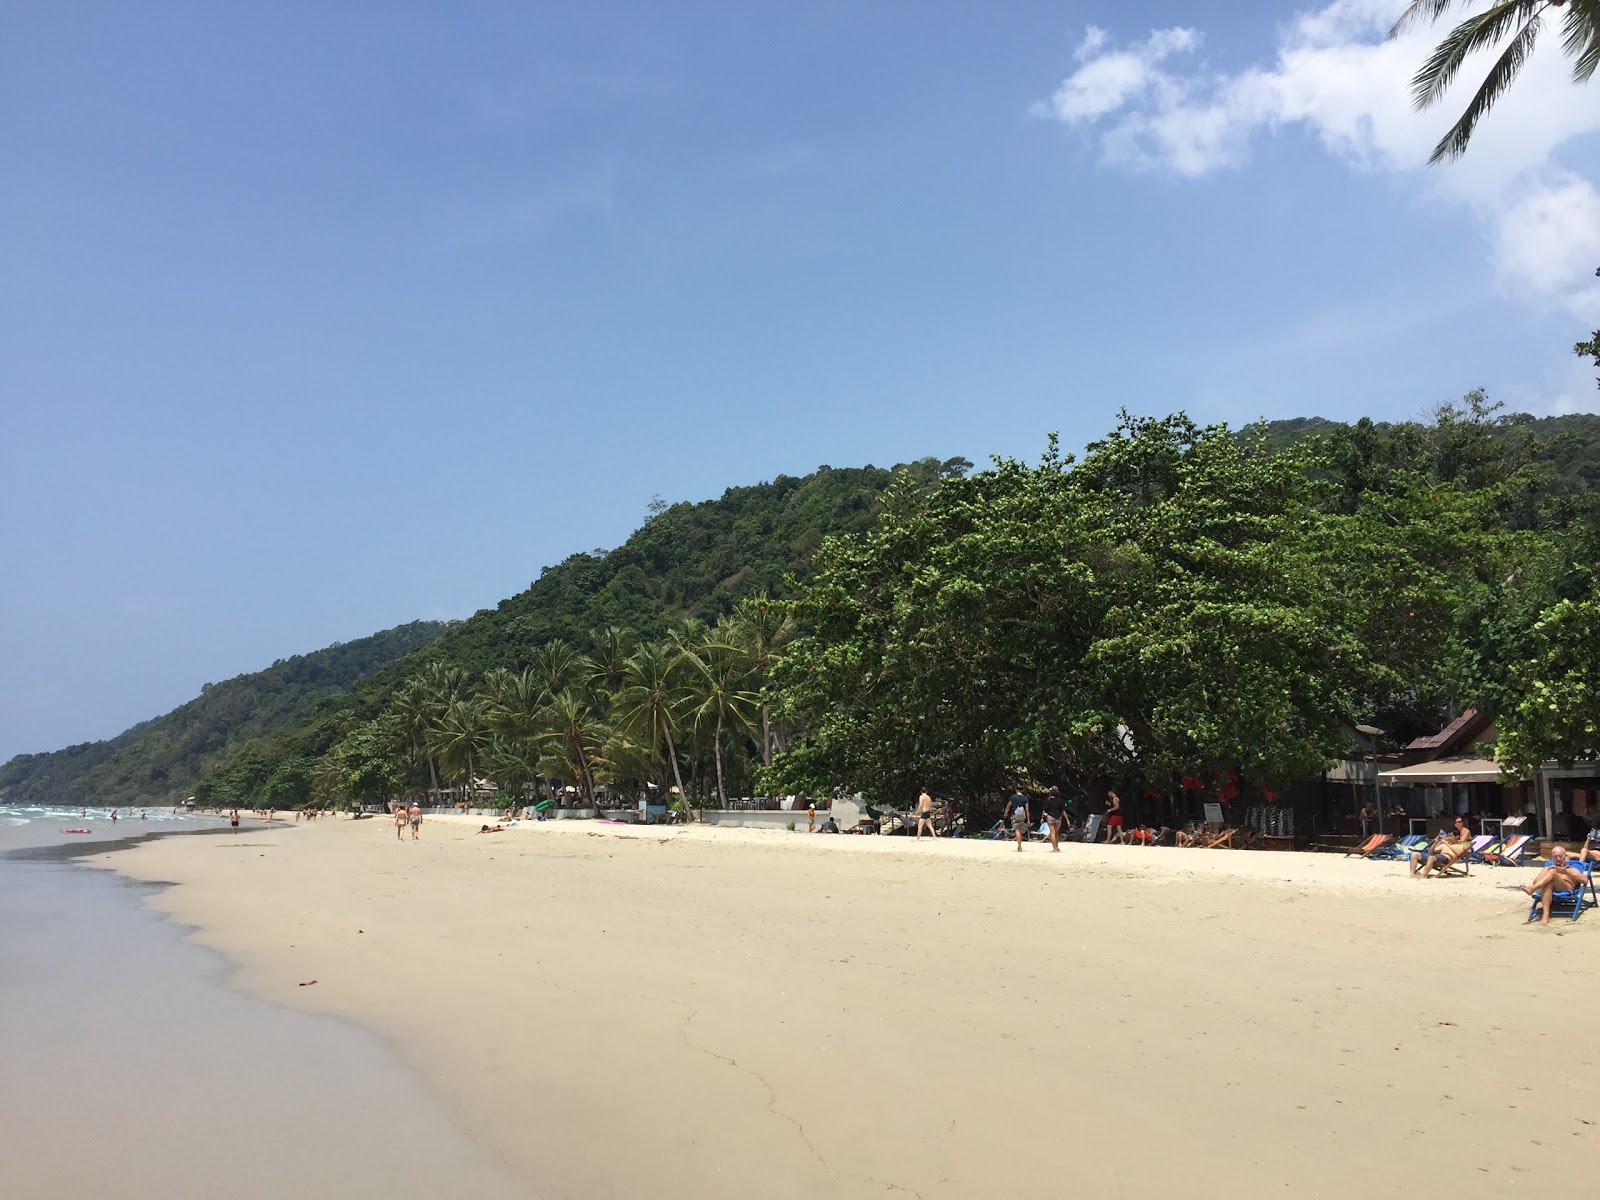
x,y
762,627
460,740
558,666
718,674
416,712
575,734
605,669
649,702
1520,21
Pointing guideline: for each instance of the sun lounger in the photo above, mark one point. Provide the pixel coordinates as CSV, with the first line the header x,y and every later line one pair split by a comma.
x,y
1579,898
1508,855
1371,846
996,832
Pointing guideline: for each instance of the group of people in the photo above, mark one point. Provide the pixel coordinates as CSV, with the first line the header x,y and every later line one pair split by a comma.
x,y
1053,809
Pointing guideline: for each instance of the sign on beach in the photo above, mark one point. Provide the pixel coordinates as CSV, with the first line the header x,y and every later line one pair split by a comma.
x,y
1213,813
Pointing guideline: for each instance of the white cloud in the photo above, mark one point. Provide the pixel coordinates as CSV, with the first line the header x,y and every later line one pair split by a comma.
x,y
1153,107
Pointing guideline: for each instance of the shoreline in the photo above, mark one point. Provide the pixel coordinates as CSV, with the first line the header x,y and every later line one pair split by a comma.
x,y
746,1014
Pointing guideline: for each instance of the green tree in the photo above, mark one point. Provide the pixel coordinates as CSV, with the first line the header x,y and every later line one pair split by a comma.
x,y
1518,24
717,676
650,701
460,740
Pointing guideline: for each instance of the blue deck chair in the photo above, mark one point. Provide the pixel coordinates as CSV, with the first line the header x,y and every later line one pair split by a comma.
x,y
1579,898
997,831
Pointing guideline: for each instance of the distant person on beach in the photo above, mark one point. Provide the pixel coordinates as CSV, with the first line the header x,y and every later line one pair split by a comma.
x,y
1560,876
811,817
1369,814
1017,811
415,813
493,829
113,816
925,814
828,826
1114,818
141,814
399,820
1054,814
234,820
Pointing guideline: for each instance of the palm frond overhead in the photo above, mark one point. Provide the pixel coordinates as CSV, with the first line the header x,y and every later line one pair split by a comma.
x,y
1486,29
1506,68
1581,37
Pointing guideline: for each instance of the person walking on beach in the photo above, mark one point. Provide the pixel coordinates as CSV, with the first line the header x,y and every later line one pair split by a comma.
x,y
234,820
1114,818
1054,811
399,819
811,817
1017,806
925,815
415,813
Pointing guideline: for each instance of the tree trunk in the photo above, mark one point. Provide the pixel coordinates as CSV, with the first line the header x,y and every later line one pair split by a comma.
x,y
677,776
716,747
766,737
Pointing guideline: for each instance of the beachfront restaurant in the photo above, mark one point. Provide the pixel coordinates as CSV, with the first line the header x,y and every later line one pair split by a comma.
x,y
1460,785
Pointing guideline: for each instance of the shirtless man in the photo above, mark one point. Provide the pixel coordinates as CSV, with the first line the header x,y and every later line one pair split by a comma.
x,y
1591,847
234,820
1114,830
1559,876
925,814
1447,849
415,813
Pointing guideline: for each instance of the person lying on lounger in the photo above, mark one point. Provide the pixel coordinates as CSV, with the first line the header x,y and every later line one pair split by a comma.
x,y
1446,850
1560,876
1591,847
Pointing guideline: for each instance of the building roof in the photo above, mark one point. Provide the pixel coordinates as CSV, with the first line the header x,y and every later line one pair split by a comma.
x,y
1462,730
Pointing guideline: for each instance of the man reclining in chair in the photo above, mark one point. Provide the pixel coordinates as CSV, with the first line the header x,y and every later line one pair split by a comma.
x,y
1446,851
1560,876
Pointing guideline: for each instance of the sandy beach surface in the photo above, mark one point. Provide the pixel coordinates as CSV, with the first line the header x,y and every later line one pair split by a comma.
x,y
702,1012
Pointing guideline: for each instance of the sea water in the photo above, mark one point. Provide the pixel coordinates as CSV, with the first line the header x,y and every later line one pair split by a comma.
x,y
130,1069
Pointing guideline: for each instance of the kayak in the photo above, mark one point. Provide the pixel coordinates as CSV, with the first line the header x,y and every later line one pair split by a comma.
x,y
77,831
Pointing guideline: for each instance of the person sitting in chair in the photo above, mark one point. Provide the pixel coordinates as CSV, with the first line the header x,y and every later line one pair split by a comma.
x,y
1591,847
1446,850
1560,876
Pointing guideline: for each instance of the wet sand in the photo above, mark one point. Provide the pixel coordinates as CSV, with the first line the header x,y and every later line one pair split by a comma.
x,y
131,1070
705,1012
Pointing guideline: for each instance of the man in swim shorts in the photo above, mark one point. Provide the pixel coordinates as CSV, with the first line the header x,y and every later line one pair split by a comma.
x,y
925,814
1018,804
1114,818
415,813
1560,876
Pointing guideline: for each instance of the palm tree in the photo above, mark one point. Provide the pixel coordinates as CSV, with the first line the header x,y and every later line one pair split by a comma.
x,y
576,734
1521,21
763,626
649,701
718,675
557,666
605,669
460,740
416,713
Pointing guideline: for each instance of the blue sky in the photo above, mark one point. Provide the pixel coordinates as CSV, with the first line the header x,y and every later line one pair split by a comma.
x,y
315,319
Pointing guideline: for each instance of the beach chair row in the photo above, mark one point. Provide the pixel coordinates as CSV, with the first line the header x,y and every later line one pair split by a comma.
x,y
1486,849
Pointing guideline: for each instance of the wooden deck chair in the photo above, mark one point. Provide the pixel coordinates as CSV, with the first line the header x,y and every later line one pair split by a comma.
x,y
1463,864
1222,841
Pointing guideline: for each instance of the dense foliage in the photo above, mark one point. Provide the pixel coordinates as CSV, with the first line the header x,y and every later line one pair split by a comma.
x,y
161,759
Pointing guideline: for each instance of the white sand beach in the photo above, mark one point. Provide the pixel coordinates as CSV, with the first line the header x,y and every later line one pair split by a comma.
x,y
711,1012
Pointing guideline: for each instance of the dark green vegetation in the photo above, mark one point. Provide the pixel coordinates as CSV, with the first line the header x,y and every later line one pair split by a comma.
x,y
161,759
1185,602
1194,603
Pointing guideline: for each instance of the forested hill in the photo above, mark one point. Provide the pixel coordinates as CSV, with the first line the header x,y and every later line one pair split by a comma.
x,y
687,561
161,759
